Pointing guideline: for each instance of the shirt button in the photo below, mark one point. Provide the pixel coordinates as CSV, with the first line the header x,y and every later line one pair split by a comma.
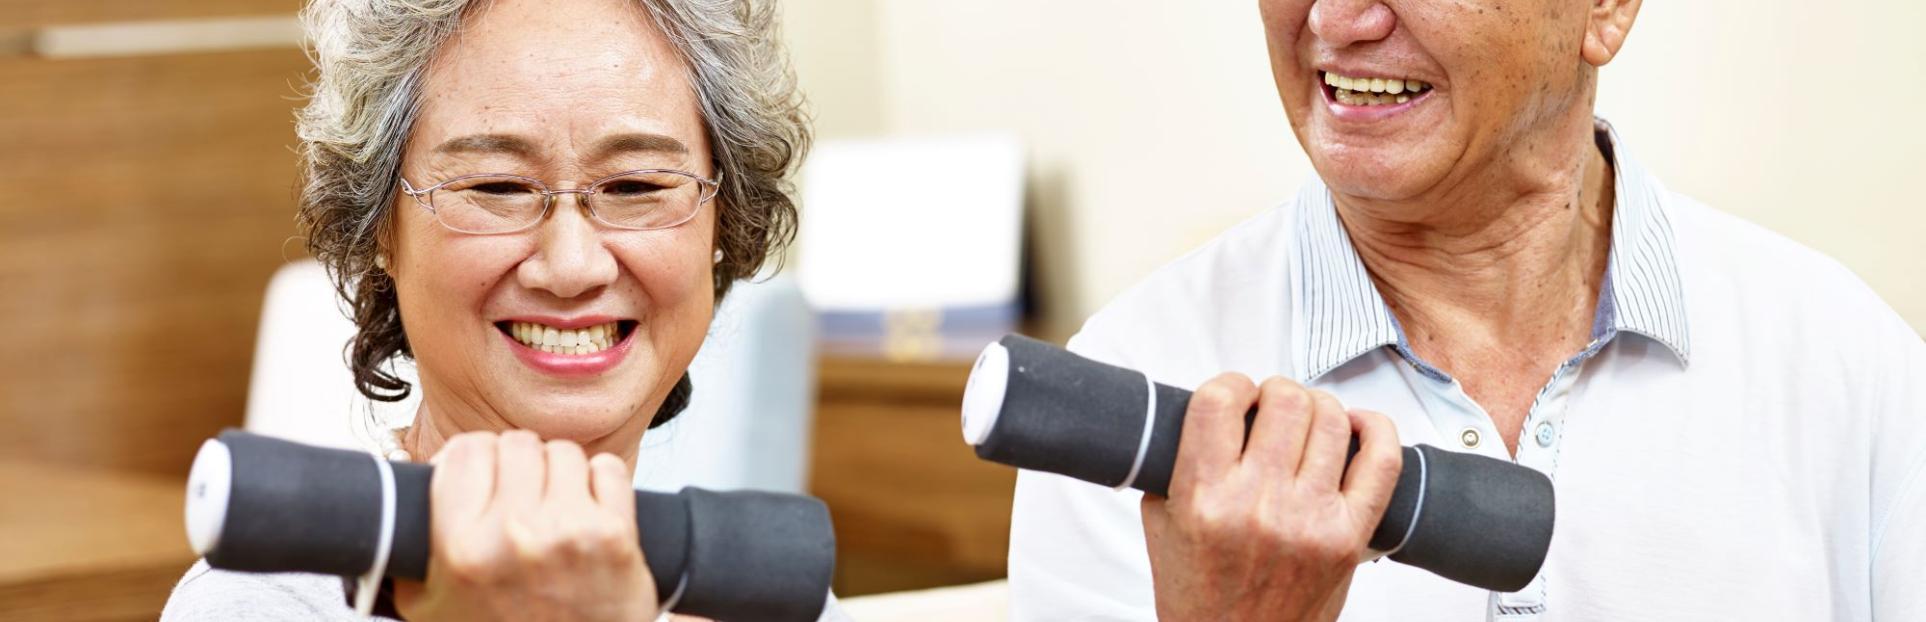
x,y
1545,434
1469,437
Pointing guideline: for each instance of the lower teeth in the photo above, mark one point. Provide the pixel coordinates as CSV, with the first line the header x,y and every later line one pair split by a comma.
x,y
1360,98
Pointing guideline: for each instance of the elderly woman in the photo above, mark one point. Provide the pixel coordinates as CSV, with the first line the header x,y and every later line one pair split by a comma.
x,y
1734,424
540,202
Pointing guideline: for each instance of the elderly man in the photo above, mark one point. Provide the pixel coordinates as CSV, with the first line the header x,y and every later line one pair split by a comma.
x,y
1735,425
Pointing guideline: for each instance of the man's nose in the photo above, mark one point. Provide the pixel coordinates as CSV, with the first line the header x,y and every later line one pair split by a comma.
x,y
1344,22
569,260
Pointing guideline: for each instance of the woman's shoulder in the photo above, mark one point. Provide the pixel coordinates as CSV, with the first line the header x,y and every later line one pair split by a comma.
x,y
205,593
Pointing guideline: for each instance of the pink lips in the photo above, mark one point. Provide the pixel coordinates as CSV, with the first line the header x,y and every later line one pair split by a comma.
x,y
571,365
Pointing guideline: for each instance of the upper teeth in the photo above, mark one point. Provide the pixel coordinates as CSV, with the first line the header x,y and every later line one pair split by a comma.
x,y
564,340
1393,86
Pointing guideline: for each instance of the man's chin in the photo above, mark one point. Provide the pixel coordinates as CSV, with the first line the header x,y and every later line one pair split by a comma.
x,y
1378,173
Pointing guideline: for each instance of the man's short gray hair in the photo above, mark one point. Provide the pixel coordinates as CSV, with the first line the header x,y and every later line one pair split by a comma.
x,y
370,56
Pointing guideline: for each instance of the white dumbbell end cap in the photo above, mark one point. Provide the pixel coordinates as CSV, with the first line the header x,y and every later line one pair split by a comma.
x,y
983,396
208,486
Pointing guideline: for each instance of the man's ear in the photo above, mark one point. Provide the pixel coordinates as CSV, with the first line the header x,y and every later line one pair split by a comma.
x,y
1606,25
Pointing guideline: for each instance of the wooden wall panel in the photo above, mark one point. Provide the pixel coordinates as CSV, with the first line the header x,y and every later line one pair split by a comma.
x,y
22,13
144,202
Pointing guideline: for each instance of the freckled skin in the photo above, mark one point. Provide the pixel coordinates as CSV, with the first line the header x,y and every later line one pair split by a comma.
x,y
564,75
1462,208
1476,53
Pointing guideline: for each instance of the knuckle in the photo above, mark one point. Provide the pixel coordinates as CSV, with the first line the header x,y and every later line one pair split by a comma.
x,y
574,545
1220,396
1329,548
1260,523
1200,518
471,564
1379,423
542,550
1286,396
1326,403
1329,418
1322,398
562,448
1387,466
607,537
471,442
1279,385
1278,532
608,464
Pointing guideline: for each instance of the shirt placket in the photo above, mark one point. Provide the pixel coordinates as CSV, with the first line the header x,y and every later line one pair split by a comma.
x,y
1466,424
1538,446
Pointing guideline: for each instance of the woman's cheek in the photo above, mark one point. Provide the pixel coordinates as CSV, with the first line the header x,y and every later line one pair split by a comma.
x,y
681,293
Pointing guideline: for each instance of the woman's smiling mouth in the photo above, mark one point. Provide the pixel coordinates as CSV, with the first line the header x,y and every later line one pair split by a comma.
x,y
576,341
585,349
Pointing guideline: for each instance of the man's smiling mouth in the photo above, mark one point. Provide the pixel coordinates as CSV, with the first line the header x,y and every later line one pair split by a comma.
x,y
1369,91
589,340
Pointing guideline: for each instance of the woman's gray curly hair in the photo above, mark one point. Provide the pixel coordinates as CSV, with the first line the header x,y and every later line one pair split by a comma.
x,y
370,56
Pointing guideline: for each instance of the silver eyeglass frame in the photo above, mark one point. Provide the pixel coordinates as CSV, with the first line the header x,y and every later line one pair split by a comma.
x,y
710,188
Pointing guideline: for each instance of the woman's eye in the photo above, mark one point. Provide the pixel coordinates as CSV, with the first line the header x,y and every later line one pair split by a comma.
x,y
630,187
499,187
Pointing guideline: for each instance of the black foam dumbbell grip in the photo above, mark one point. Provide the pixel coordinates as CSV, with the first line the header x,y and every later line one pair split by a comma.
x,y
298,508
1484,522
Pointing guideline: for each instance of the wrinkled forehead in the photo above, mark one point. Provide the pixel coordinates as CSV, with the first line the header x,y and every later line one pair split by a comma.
x,y
564,74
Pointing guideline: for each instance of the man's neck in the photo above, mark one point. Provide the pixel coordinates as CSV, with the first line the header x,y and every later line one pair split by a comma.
x,y
1515,258
1496,280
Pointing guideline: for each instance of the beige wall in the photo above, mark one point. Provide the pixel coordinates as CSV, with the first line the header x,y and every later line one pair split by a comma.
x,y
1154,125
1737,104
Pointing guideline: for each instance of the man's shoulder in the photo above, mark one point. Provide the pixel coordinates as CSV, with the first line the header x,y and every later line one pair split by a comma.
x,y
1736,265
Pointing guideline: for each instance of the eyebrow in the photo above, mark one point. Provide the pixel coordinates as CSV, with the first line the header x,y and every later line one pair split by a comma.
x,y
638,142
488,143
516,145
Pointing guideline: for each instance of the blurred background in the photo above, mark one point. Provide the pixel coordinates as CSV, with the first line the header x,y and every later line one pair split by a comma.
x,y
147,190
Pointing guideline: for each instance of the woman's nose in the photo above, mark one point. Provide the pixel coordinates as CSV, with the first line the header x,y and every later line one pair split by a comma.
x,y
569,259
1343,22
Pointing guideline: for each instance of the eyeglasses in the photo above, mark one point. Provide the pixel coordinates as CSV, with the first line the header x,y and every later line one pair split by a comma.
x,y
634,200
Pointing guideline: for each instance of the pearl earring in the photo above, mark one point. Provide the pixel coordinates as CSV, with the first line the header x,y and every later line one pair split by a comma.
x,y
718,256
381,263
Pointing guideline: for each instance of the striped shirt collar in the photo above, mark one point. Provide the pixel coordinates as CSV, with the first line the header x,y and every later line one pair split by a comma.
x,y
1340,315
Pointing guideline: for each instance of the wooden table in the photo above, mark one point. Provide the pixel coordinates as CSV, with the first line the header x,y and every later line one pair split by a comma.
x,y
88,544
914,508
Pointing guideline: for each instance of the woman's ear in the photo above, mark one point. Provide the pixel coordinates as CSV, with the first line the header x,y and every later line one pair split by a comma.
x,y
1606,25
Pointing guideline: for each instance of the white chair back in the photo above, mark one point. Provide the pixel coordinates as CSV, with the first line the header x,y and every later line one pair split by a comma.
x,y
748,423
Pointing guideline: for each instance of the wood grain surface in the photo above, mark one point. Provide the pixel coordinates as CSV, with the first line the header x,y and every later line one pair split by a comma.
x,y
88,544
144,202
913,506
